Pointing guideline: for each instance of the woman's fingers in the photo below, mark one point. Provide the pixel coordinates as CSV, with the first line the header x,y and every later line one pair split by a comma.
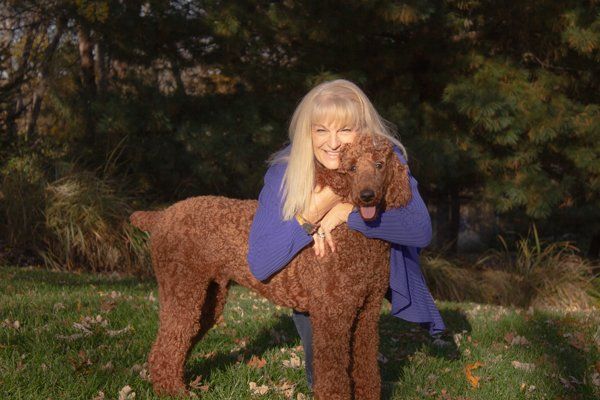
x,y
330,241
318,246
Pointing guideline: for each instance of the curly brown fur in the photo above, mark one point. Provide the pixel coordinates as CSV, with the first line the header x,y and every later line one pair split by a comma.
x,y
199,245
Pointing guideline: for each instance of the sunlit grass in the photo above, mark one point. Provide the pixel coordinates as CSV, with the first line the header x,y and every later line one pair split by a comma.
x,y
47,355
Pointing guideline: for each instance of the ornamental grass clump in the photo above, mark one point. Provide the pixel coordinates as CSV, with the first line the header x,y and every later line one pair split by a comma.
x,y
554,274
88,229
448,281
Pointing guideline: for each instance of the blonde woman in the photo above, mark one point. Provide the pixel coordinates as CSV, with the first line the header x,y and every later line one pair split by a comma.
x,y
292,212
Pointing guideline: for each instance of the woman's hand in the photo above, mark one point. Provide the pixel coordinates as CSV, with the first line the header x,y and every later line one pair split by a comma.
x,y
322,200
337,215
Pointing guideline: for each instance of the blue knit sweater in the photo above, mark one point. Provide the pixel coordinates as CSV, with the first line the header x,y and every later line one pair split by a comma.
x,y
274,242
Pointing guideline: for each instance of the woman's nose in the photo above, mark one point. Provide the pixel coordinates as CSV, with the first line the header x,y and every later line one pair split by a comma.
x,y
333,141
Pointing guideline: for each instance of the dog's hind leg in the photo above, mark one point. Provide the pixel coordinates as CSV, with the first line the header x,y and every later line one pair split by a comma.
x,y
182,300
365,342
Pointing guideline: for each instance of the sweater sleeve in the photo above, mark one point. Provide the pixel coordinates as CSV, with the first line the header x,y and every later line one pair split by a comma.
x,y
273,242
408,226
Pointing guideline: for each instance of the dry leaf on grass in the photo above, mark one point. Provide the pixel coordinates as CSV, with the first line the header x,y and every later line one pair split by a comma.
x,y
578,341
99,396
126,393
258,390
473,380
196,384
293,362
515,340
16,325
113,333
286,388
256,362
301,396
523,366
596,379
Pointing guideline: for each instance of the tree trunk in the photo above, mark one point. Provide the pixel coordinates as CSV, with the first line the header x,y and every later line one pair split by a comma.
x,y
100,69
40,90
594,250
180,90
454,222
88,81
447,219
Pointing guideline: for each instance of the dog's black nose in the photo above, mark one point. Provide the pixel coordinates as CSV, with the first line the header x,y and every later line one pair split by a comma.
x,y
367,195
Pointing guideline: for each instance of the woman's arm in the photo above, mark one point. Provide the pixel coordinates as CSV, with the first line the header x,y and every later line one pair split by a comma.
x,y
409,226
273,242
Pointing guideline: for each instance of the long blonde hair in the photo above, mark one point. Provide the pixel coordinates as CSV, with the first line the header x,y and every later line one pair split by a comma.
x,y
340,102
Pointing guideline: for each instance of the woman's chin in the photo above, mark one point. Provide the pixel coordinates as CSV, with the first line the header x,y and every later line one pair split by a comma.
x,y
329,163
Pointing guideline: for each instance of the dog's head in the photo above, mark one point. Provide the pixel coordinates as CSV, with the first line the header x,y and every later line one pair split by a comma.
x,y
370,176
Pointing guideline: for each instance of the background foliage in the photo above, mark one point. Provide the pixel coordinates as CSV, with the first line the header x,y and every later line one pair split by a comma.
x,y
496,101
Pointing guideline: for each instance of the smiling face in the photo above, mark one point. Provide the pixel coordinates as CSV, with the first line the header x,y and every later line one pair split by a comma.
x,y
327,138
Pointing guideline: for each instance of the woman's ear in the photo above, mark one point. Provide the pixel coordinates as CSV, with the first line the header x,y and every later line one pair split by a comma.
x,y
337,181
398,192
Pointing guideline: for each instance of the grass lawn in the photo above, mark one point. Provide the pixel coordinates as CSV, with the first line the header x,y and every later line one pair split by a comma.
x,y
71,336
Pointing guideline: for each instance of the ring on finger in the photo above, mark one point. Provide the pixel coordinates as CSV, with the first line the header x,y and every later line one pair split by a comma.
x,y
321,234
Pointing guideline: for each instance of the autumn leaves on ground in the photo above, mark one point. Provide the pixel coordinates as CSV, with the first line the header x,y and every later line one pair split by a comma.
x,y
70,336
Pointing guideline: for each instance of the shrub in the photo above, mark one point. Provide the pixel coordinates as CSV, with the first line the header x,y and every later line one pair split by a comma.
x,y
22,183
88,229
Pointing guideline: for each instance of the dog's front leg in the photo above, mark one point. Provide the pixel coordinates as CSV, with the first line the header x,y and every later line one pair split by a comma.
x,y
365,343
331,348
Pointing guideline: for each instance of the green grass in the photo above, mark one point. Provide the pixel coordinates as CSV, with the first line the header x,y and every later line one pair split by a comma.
x,y
41,360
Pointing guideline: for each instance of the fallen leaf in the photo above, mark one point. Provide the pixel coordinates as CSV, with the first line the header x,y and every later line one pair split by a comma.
x,y
578,341
473,380
113,333
99,396
523,366
196,383
596,379
107,367
258,390
301,396
126,393
256,362
108,305
293,362
286,388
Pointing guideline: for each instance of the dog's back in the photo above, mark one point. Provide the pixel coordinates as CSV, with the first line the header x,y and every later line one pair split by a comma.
x,y
208,237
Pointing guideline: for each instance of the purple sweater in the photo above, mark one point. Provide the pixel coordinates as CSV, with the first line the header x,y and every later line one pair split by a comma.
x,y
274,242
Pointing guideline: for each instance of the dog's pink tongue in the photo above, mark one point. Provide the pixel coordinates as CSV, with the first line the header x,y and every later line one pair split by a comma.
x,y
367,212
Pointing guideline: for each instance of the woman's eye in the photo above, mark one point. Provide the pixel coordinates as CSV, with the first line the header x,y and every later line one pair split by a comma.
x,y
353,168
378,165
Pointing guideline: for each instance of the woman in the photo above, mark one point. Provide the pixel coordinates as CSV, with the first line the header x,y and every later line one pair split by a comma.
x,y
292,212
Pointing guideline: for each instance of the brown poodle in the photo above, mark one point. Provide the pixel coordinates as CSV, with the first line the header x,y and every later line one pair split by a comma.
x,y
199,245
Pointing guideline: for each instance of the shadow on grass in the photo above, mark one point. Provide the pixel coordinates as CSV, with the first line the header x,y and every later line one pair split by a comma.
x,y
61,279
398,339
564,353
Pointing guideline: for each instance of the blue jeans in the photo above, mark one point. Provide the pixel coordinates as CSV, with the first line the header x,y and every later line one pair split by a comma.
x,y
302,322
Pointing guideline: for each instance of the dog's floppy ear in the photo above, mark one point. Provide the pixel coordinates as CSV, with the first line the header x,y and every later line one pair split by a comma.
x,y
398,192
332,178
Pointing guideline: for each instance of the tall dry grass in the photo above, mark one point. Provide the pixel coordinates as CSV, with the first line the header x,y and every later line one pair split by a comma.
x,y
86,221
535,273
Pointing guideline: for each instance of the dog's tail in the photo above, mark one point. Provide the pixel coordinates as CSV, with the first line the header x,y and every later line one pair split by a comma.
x,y
145,220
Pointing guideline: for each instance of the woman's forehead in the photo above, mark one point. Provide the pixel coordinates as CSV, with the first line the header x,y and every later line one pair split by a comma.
x,y
335,122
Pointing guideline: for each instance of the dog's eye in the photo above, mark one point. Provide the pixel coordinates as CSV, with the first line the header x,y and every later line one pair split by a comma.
x,y
352,168
379,165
